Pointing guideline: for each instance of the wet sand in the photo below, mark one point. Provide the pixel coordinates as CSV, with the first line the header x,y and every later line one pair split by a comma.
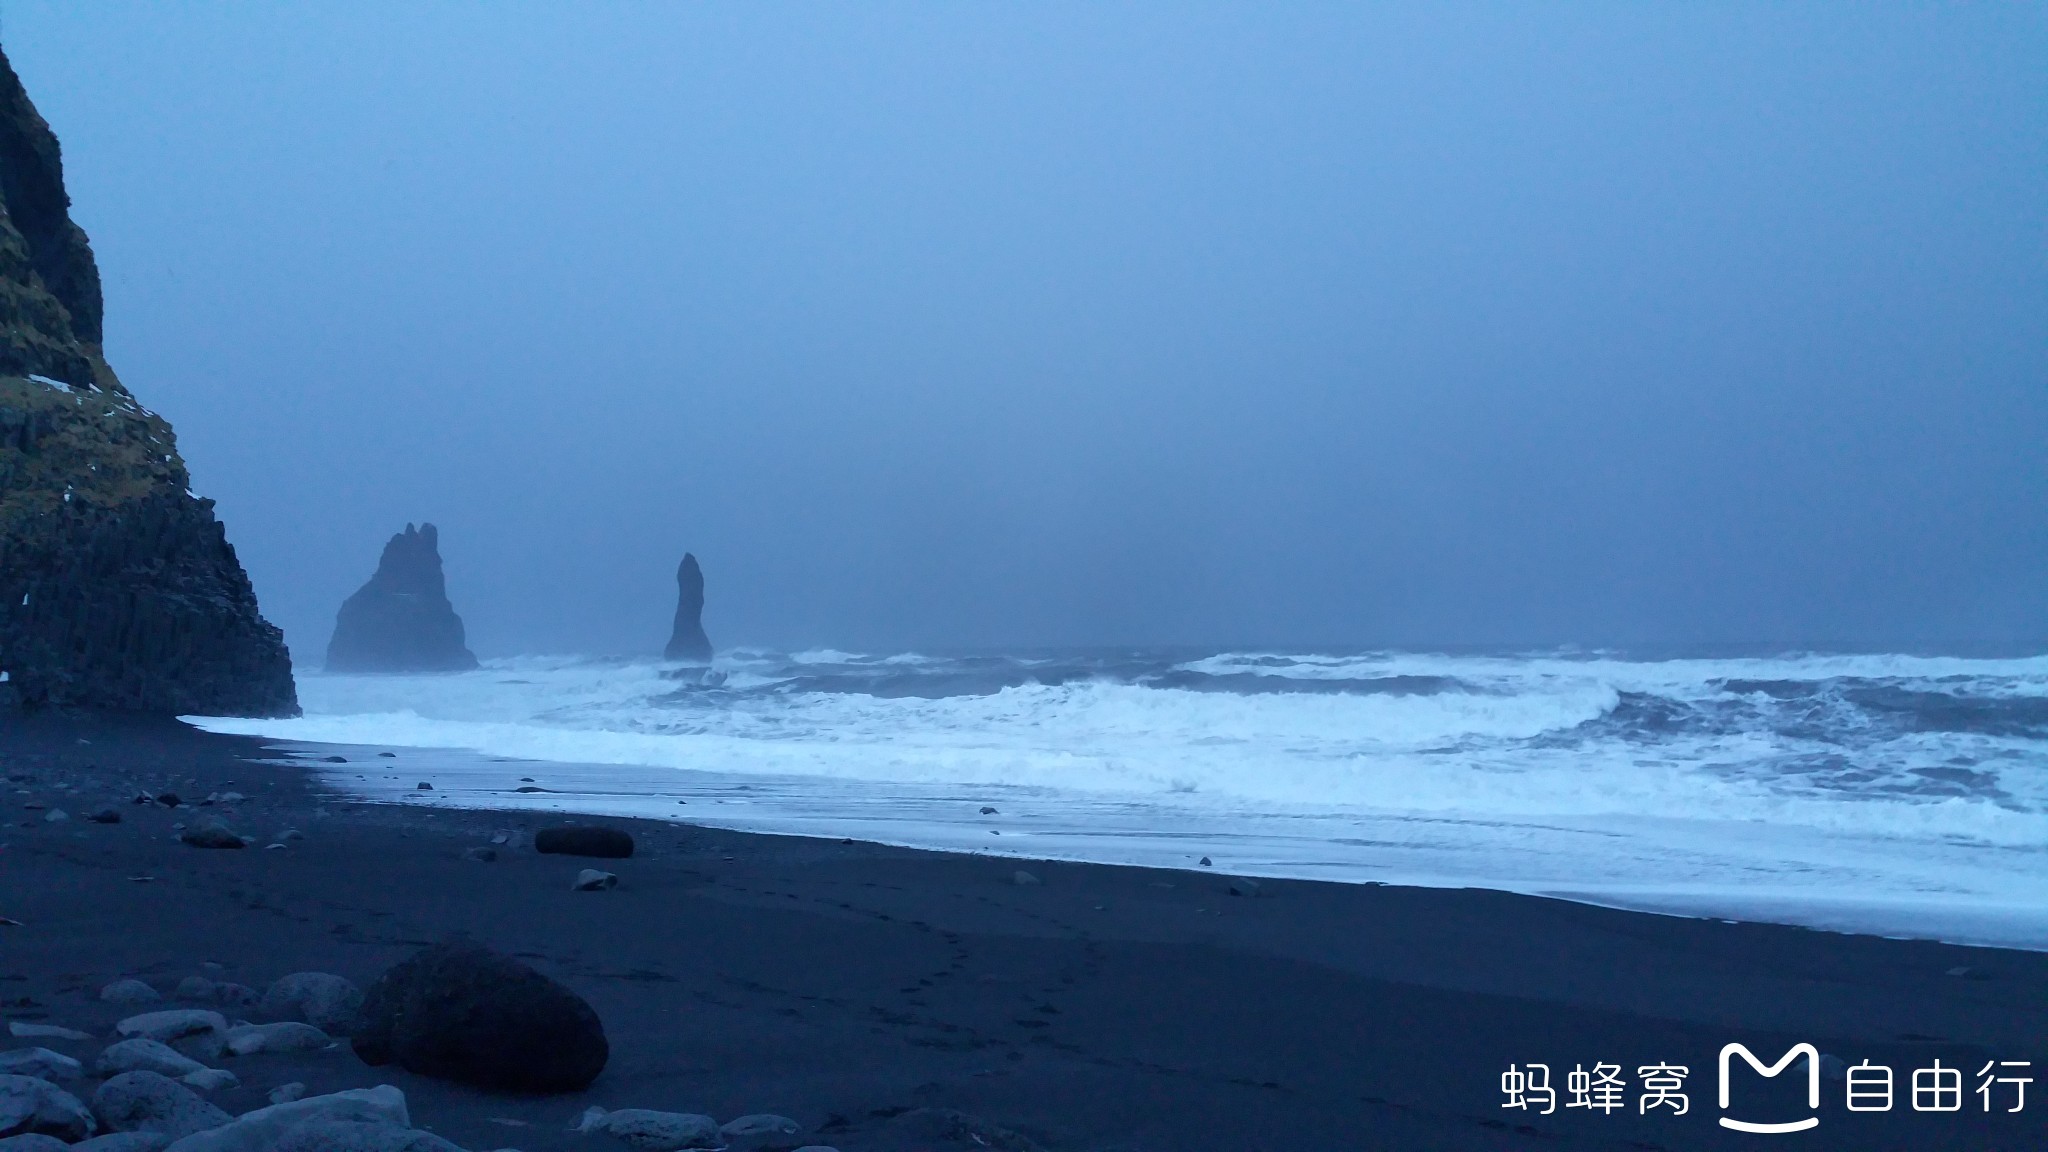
x,y
867,991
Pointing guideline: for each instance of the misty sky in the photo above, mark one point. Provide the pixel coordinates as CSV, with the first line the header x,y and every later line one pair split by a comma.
x,y
974,324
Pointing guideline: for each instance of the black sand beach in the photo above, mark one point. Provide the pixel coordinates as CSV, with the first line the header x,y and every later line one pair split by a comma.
x,y
868,991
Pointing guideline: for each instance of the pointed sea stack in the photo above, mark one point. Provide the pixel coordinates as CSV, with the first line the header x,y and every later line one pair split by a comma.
x,y
401,621
687,641
118,589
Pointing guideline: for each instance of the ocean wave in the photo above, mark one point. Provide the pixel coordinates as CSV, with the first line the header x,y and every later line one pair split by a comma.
x,y
1937,765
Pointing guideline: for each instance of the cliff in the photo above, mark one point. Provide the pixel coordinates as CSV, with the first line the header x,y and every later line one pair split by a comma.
x,y
401,621
118,588
686,641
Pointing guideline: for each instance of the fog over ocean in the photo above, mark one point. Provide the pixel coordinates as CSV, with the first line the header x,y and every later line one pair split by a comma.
x,y
1896,794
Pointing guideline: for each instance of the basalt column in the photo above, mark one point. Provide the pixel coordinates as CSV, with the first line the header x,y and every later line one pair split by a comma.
x,y
118,588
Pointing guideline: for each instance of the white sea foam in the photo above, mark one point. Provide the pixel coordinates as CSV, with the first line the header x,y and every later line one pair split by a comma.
x,y
1784,788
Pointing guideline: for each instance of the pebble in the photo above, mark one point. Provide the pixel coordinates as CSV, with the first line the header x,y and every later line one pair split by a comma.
x,y
987,811
140,1055
106,816
591,880
423,786
168,799
286,1093
129,992
55,816
482,855
40,1063
1023,879
32,1104
1205,862
1243,887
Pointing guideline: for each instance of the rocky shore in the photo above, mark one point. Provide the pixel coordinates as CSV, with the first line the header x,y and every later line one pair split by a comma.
x,y
118,588
781,992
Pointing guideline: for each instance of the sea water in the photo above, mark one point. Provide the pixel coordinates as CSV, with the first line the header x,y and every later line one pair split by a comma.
x,y
1896,794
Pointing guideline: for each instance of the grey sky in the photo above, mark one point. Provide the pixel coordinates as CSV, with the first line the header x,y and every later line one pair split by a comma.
x,y
954,325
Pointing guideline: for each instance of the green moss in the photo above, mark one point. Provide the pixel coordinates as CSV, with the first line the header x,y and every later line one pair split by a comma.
x,y
84,447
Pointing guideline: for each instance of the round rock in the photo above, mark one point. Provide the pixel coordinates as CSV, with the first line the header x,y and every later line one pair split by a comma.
x,y
33,1142
322,999
646,1130
592,880
150,1102
124,1142
584,840
237,995
211,834
210,1079
288,1036
140,1055
129,992
357,1136
196,988
173,1024
32,1104
760,1124
461,1012
286,1093
40,1063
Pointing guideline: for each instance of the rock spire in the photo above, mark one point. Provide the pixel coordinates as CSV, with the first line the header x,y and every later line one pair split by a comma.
x,y
401,621
687,640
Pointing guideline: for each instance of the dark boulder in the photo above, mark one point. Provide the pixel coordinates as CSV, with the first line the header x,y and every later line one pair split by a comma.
x,y
211,834
118,588
458,1011
401,621
686,641
584,840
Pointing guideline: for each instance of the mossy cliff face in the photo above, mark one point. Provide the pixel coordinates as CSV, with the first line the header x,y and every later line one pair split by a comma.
x,y
118,588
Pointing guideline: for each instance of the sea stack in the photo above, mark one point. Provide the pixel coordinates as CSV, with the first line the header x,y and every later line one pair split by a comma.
x,y
401,621
118,588
687,641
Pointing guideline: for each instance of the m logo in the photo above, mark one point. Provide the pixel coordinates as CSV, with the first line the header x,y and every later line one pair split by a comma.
x,y
1785,1061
